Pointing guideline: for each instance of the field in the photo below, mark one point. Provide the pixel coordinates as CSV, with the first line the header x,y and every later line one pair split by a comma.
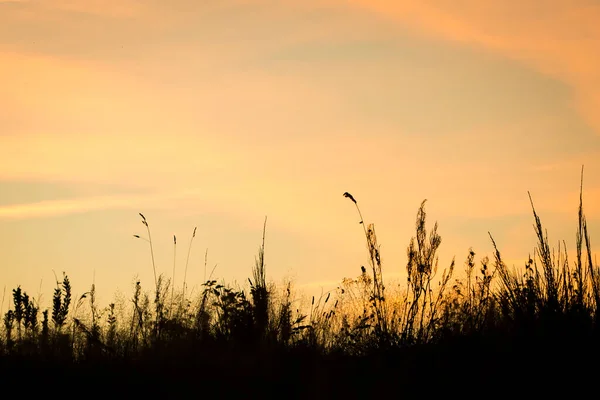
x,y
499,330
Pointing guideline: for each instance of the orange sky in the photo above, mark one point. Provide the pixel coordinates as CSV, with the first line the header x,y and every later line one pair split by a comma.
x,y
217,113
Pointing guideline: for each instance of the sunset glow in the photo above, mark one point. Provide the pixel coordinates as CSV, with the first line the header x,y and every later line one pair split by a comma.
x,y
215,114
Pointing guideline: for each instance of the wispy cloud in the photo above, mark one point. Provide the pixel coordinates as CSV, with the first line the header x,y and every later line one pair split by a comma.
x,y
63,207
54,208
165,200
557,38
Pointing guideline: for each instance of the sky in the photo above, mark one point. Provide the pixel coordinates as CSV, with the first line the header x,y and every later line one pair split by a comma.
x,y
218,113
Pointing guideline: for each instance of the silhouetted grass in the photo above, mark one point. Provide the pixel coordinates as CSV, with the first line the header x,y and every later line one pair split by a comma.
x,y
497,325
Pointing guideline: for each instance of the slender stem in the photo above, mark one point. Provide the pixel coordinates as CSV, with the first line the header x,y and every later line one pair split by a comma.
x,y
151,248
3,295
205,259
173,281
186,264
152,255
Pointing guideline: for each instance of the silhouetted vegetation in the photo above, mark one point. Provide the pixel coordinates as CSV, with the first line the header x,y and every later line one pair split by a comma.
x,y
495,326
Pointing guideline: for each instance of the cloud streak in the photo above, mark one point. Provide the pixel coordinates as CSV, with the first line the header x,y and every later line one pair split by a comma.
x,y
53,208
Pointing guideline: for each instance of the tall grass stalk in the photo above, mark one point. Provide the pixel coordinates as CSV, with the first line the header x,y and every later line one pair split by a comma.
x,y
151,248
258,288
3,296
173,279
187,260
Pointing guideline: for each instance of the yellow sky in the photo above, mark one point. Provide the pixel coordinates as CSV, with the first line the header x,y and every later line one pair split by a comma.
x,y
216,113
